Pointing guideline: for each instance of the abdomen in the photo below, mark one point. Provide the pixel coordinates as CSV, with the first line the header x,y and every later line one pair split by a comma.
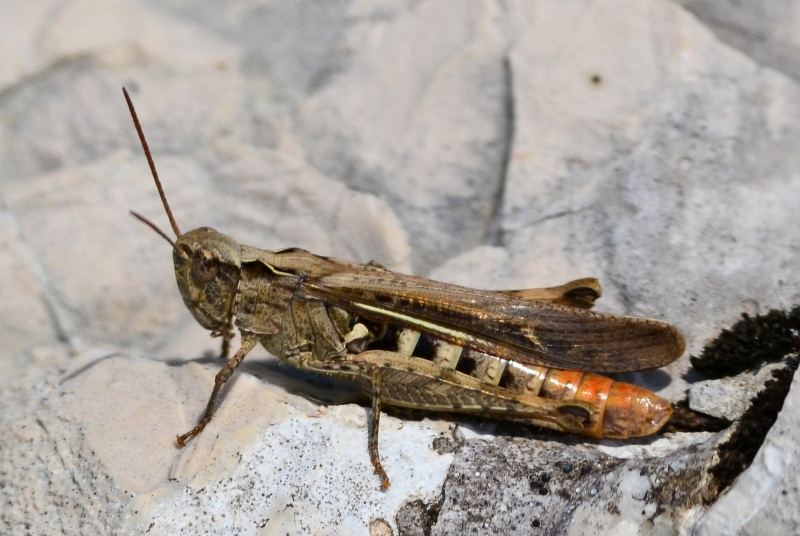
x,y
619,410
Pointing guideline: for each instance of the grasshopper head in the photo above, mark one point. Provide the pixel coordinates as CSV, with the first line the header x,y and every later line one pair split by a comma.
x,y
207,268
208,263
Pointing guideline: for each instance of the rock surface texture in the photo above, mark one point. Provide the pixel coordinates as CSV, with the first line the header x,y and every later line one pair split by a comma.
x,y
495,144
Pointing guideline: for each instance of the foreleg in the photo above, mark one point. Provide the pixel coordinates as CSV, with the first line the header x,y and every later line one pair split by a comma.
x,y
248,343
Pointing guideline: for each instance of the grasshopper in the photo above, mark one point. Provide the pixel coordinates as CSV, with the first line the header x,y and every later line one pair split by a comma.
x,y
521,355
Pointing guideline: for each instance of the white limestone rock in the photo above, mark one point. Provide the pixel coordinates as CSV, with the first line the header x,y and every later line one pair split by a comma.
x,y
729,398
268,460
26,318
515,487
433,145
766,30
493,144
764,499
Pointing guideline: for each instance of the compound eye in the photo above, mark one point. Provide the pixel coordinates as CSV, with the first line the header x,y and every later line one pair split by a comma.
x,y
205,265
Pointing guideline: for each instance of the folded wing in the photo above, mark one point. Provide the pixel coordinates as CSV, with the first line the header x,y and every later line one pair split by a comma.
x,y
507,324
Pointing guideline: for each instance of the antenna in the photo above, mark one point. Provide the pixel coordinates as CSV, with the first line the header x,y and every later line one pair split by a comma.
x,y
153,227
154,172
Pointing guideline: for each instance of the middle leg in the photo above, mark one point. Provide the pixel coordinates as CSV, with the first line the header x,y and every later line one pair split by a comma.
x,y
369,376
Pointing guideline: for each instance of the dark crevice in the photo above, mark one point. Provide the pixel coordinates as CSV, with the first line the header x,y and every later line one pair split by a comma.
x,y
736,454
554,216
685,419
495,229
749,344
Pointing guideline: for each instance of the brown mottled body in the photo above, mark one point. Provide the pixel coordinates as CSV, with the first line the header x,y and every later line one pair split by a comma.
x,y
332,316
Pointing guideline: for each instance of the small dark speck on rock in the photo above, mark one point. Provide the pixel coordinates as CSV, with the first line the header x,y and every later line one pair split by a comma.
x,y
536,523
643,471
567,467
585,470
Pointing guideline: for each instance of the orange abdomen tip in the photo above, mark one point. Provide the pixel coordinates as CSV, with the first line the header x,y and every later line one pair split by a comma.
x,y
633,412
618,410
